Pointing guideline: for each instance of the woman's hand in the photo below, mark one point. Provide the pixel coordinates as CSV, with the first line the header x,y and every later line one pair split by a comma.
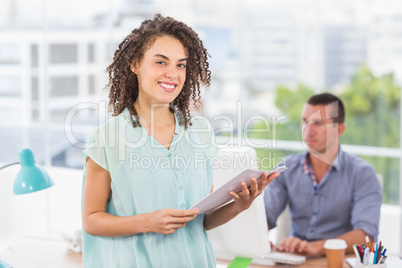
x,y
246,196
168,221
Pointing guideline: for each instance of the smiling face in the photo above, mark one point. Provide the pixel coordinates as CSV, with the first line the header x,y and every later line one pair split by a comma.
x,y
320,132
162,71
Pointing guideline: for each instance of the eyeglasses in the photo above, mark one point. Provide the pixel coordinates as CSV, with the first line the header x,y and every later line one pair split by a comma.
x,y
320,123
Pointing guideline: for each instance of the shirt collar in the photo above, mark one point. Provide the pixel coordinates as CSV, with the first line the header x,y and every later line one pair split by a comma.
x,y
336,164
126,113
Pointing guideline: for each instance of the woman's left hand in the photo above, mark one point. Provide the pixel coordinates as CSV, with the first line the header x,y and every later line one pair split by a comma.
x,y
246,196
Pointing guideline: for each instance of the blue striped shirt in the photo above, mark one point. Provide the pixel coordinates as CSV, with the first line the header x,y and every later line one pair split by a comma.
x,y
348,197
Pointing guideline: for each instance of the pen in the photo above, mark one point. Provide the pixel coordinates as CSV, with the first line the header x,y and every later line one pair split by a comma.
x,y
356,253
359,249
371,256
375,253
367,241
361,252
366,256
381,259
384,259
378,253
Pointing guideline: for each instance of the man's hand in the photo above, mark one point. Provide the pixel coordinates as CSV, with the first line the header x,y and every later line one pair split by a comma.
x,y
296,245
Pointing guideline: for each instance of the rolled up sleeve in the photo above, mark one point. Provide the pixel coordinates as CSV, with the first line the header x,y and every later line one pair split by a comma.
x,y
367,200
275,198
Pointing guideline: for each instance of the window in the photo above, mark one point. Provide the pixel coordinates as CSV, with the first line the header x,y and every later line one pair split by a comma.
x,y
63,53
9,54
10,85
63,86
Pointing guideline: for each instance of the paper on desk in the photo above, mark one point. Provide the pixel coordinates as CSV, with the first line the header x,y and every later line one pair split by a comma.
x,y
221,196
351,261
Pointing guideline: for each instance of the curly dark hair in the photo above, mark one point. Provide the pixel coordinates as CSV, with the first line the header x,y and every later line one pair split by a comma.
x,y
123,83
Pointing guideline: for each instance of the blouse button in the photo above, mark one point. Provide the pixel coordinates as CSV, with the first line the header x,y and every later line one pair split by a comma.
x,y
183,206
170,154
181,188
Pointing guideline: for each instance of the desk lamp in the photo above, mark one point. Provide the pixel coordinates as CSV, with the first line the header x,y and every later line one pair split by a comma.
x,y
31,177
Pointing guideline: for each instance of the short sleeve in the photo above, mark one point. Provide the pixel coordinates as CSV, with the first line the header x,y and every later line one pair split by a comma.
x,y
96,149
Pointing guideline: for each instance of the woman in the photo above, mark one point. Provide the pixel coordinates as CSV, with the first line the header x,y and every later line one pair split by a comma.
x,y
143,171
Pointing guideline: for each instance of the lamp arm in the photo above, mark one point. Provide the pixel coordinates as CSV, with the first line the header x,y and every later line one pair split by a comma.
x,y
9,164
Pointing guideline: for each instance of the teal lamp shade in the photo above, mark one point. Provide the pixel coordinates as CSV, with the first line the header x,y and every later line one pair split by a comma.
x,y
31,177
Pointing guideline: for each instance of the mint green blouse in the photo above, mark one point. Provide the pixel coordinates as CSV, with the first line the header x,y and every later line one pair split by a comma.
x,y
148,177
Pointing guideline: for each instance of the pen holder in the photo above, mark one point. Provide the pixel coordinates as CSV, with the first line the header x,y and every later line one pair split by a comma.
x,y
358,264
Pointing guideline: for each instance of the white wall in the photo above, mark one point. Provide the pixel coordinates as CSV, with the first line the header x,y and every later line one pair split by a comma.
x,y
26,215
390,224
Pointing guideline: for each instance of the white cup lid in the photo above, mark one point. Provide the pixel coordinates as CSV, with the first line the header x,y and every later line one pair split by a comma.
x,y
335,244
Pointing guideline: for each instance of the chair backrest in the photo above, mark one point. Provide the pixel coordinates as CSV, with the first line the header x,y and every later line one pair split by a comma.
x,y
283,225
380,180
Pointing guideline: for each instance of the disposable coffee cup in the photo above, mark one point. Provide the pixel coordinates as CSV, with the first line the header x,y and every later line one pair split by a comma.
x,y
335,252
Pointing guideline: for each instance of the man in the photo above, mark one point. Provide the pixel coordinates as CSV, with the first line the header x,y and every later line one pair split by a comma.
x,y
331,194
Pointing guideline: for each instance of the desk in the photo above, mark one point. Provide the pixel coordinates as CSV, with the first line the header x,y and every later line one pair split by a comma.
x,y
41,253
311,262
38,253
